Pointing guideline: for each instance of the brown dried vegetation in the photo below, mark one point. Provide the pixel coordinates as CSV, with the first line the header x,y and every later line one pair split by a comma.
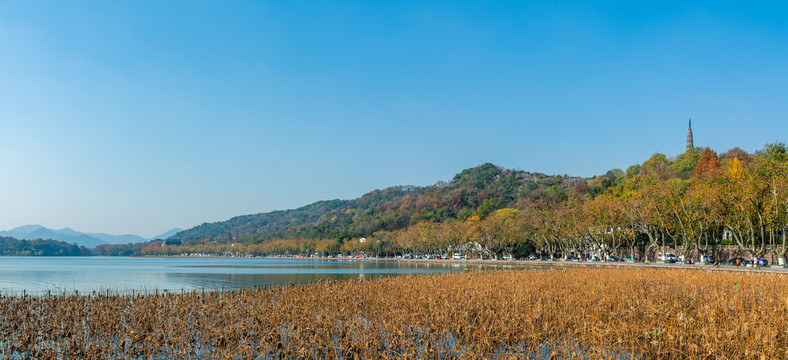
x,y
557,313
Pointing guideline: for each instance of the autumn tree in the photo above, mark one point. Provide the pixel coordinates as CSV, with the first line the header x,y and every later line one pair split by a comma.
x,y
708,166
743,200
656,169
502,231
702,214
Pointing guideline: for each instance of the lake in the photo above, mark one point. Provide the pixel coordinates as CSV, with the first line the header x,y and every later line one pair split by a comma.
x,y
37,275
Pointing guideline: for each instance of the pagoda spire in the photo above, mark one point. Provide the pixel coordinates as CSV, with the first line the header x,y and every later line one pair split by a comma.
x,y
690,144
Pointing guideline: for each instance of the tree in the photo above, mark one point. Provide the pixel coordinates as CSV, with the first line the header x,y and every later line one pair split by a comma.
x,y
607,226
656,169
743,200
737,153
703,215
501,231
775,151
708,166
488,206
647,213
684,164
771,167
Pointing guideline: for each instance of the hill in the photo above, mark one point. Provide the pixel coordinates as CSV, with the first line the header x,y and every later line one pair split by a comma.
x,y
13,247
474,191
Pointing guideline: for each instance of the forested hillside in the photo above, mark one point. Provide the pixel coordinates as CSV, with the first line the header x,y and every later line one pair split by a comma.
x,y
693,204
475,191
40,247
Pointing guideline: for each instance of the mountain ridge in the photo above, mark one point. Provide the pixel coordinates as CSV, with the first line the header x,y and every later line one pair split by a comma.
x,y
474,191
71,236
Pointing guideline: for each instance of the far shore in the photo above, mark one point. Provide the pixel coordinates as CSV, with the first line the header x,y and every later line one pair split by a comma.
x,y
547,263
780,270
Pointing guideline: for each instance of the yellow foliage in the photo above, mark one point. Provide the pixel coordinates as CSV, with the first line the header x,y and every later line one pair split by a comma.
x,y
735,170
505,212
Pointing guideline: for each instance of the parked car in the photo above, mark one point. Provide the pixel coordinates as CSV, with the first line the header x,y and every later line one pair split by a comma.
x,y
706,259
571,258
613,258
738,261
667,257
631,259
507,257
761,262
457,256
533,257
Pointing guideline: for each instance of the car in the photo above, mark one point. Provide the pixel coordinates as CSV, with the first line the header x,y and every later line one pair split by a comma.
x,y
761,262
533,257
507,257
457,256
667,257
738,261
706,259
631,259
571,258
613,258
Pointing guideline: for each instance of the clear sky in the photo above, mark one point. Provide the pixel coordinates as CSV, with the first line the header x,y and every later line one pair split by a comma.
x,y
140,116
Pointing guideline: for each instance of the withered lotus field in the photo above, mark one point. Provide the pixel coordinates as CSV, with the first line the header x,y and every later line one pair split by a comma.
x,y
585,313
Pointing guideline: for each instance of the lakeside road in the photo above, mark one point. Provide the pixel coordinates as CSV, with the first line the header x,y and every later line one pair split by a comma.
x,y
595,264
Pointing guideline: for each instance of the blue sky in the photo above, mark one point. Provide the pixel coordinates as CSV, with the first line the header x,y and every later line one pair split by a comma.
x,y
136,117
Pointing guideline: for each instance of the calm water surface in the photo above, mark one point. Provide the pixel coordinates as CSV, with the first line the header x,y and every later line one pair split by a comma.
x,y
85,274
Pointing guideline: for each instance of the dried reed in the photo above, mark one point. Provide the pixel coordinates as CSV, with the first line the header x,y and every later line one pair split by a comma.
x,y
558,313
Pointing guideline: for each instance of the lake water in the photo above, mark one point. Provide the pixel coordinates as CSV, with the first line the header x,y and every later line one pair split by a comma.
x,y
38,275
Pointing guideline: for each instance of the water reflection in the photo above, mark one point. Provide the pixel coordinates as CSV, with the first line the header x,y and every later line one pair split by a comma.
x,y
37,274
236,281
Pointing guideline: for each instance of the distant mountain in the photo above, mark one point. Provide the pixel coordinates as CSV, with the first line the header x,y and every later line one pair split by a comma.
x,y
166,235
473,192
117,239
30,232
88,240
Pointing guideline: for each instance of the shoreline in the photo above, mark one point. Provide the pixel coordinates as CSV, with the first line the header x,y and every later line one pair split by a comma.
x,y
595,264
521,263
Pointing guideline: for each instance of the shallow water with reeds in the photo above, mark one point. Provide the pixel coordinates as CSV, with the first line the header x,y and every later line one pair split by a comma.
x,y
575,313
